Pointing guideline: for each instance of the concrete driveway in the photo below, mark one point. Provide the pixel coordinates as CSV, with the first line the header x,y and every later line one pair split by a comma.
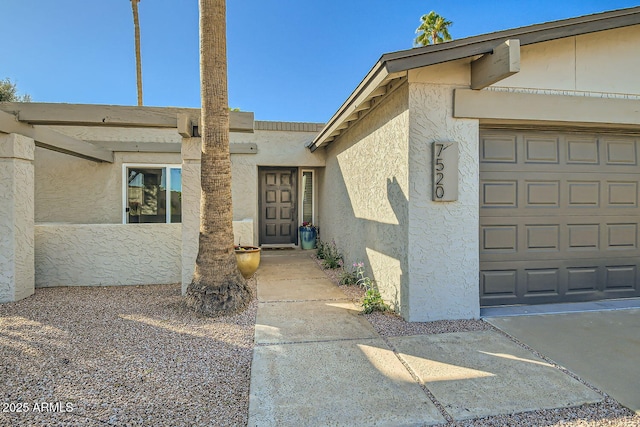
x,y
602,348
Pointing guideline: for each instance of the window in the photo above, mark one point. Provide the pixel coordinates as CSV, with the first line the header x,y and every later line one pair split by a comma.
x,y
145,194
307,196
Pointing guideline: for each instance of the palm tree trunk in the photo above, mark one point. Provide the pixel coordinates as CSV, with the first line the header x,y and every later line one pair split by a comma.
x,y
136,26
217,286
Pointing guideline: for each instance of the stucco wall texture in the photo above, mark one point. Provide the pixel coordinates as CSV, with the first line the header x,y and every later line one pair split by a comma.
x,y
190,209
376,200
16,217
443,236
363,197
107,254
78,191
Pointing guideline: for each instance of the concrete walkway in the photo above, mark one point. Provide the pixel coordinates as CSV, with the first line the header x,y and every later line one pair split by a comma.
x,y
318,362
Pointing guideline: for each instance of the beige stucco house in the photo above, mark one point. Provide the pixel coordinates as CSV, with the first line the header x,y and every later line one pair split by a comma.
x,y
494,170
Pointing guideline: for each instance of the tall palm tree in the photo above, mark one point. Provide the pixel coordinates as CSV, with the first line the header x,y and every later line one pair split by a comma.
x,y
433,29
136,26
217,286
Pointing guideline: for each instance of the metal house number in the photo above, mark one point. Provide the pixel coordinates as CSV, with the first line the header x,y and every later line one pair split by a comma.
x,y
445,171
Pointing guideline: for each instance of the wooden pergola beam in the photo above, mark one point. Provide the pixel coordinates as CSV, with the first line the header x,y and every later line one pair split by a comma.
x,y
492,67
168,147
37,113
46,137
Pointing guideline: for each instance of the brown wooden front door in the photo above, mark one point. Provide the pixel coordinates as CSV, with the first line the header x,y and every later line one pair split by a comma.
x,y
278,213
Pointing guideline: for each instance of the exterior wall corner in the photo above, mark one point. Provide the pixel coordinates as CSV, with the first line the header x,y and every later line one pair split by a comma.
x,y
17,271
443,236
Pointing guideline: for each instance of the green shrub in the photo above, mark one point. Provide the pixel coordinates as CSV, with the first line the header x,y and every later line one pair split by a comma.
x,y
320,249
331,256
349,278
372,300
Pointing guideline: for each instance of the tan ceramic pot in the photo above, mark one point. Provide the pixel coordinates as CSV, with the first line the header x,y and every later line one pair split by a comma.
x,y
248,258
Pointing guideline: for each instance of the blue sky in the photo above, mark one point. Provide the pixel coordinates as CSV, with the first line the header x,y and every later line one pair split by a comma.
x,y
289,60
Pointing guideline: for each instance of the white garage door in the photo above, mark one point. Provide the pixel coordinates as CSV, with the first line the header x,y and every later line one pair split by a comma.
x,y
559,217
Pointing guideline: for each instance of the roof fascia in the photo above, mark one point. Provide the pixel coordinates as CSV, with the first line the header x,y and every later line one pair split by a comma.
x,y
370,82
479,45
402,61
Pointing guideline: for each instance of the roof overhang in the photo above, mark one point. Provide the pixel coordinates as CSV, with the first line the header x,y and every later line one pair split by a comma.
x,y
395,65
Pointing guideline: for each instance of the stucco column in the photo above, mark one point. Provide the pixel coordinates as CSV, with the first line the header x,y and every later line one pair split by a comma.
x,y
17,272
443,236
190,207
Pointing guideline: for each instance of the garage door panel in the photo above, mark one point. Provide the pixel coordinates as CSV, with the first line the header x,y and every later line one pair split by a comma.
x,y
622,236
568,194
543,238
622,194
548,256
499,239
583,193
536,238
583,237
559,217
541,149
620,152
498,149
582,150
499,283
499,194
540,282
583,279
620,276
542,193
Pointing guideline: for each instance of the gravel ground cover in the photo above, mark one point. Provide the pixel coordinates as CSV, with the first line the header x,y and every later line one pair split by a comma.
x,y
122,356
133,356
608,413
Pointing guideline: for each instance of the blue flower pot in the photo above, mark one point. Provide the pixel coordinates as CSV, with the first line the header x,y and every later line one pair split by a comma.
x,y
308,237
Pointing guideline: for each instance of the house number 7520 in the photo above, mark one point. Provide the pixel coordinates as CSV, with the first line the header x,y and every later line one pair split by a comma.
x,y
445,171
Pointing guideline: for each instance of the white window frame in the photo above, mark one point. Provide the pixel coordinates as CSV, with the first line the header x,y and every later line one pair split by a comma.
x,y
313,197
125,186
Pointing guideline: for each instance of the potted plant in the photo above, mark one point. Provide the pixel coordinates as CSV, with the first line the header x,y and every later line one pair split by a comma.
x,y
308,234
248,258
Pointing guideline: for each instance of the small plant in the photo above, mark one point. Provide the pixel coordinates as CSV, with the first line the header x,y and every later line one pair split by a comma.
x,y
372,300
331,256
349,278
363,281
320,249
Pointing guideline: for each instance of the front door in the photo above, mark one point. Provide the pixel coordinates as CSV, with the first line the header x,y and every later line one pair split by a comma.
x,y
278,214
